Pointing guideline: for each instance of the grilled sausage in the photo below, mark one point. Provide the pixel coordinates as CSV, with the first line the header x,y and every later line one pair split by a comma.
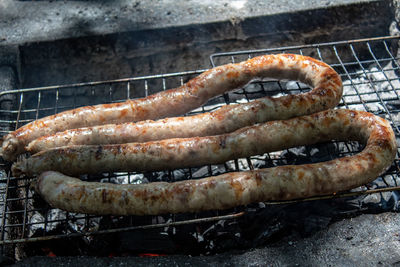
x,y
197,151
237,188
325,94
224,120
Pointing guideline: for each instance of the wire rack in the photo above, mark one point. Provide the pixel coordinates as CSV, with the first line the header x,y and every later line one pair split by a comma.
x,y
368,68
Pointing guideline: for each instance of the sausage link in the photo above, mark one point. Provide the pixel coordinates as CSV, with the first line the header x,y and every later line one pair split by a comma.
x,y
241,188
326,93
197,151
224,120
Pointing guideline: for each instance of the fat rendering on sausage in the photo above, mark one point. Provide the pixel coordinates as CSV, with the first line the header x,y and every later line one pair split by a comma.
x,y
226,190
326,93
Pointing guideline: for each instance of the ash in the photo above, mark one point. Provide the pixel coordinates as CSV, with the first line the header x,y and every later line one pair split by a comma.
x,y
373,89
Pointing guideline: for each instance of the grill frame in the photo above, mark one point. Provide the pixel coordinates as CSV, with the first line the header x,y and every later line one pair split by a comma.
x,y
22,114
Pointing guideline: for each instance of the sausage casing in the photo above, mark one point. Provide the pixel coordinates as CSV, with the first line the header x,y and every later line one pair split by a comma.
x,y
240,188
197,151
326,93
224,120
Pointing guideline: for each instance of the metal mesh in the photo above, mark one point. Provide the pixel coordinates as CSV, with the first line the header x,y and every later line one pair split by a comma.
x,y
368,68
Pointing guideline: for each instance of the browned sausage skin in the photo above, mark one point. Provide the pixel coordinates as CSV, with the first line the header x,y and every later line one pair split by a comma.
x,y
187,152
240,188
224,120
326,93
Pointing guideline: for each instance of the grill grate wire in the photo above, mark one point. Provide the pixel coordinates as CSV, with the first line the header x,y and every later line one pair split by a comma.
x,y
351,59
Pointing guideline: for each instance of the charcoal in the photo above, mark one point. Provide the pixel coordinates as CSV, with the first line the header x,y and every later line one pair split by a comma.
x,y
144,241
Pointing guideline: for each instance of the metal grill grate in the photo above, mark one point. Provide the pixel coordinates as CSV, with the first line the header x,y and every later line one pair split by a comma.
x,y
368,68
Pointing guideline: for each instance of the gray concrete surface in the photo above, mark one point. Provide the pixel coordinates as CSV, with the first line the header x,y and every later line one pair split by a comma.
x,y
367,240
183,46
25,21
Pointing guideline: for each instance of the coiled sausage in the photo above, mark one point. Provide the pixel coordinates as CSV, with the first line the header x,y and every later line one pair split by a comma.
x,y
197,151
326,93
239,188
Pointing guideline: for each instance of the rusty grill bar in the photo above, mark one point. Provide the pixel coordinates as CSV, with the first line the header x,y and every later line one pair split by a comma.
x,y
351,59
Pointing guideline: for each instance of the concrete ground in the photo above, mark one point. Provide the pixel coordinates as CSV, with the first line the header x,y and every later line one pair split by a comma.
x,y
63,42
33,21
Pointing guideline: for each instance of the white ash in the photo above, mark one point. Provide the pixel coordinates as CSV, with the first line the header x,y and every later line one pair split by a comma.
x,y
242,163
56,216
126,178
198,236
294,85
252,88
253,91
370,86
205,171
38,220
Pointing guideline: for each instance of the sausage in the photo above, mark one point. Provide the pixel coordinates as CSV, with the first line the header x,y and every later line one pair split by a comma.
x,y
188,152
224,120
241,188
326,93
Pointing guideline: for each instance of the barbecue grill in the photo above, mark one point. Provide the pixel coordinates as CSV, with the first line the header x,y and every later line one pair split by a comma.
x,y
369,70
